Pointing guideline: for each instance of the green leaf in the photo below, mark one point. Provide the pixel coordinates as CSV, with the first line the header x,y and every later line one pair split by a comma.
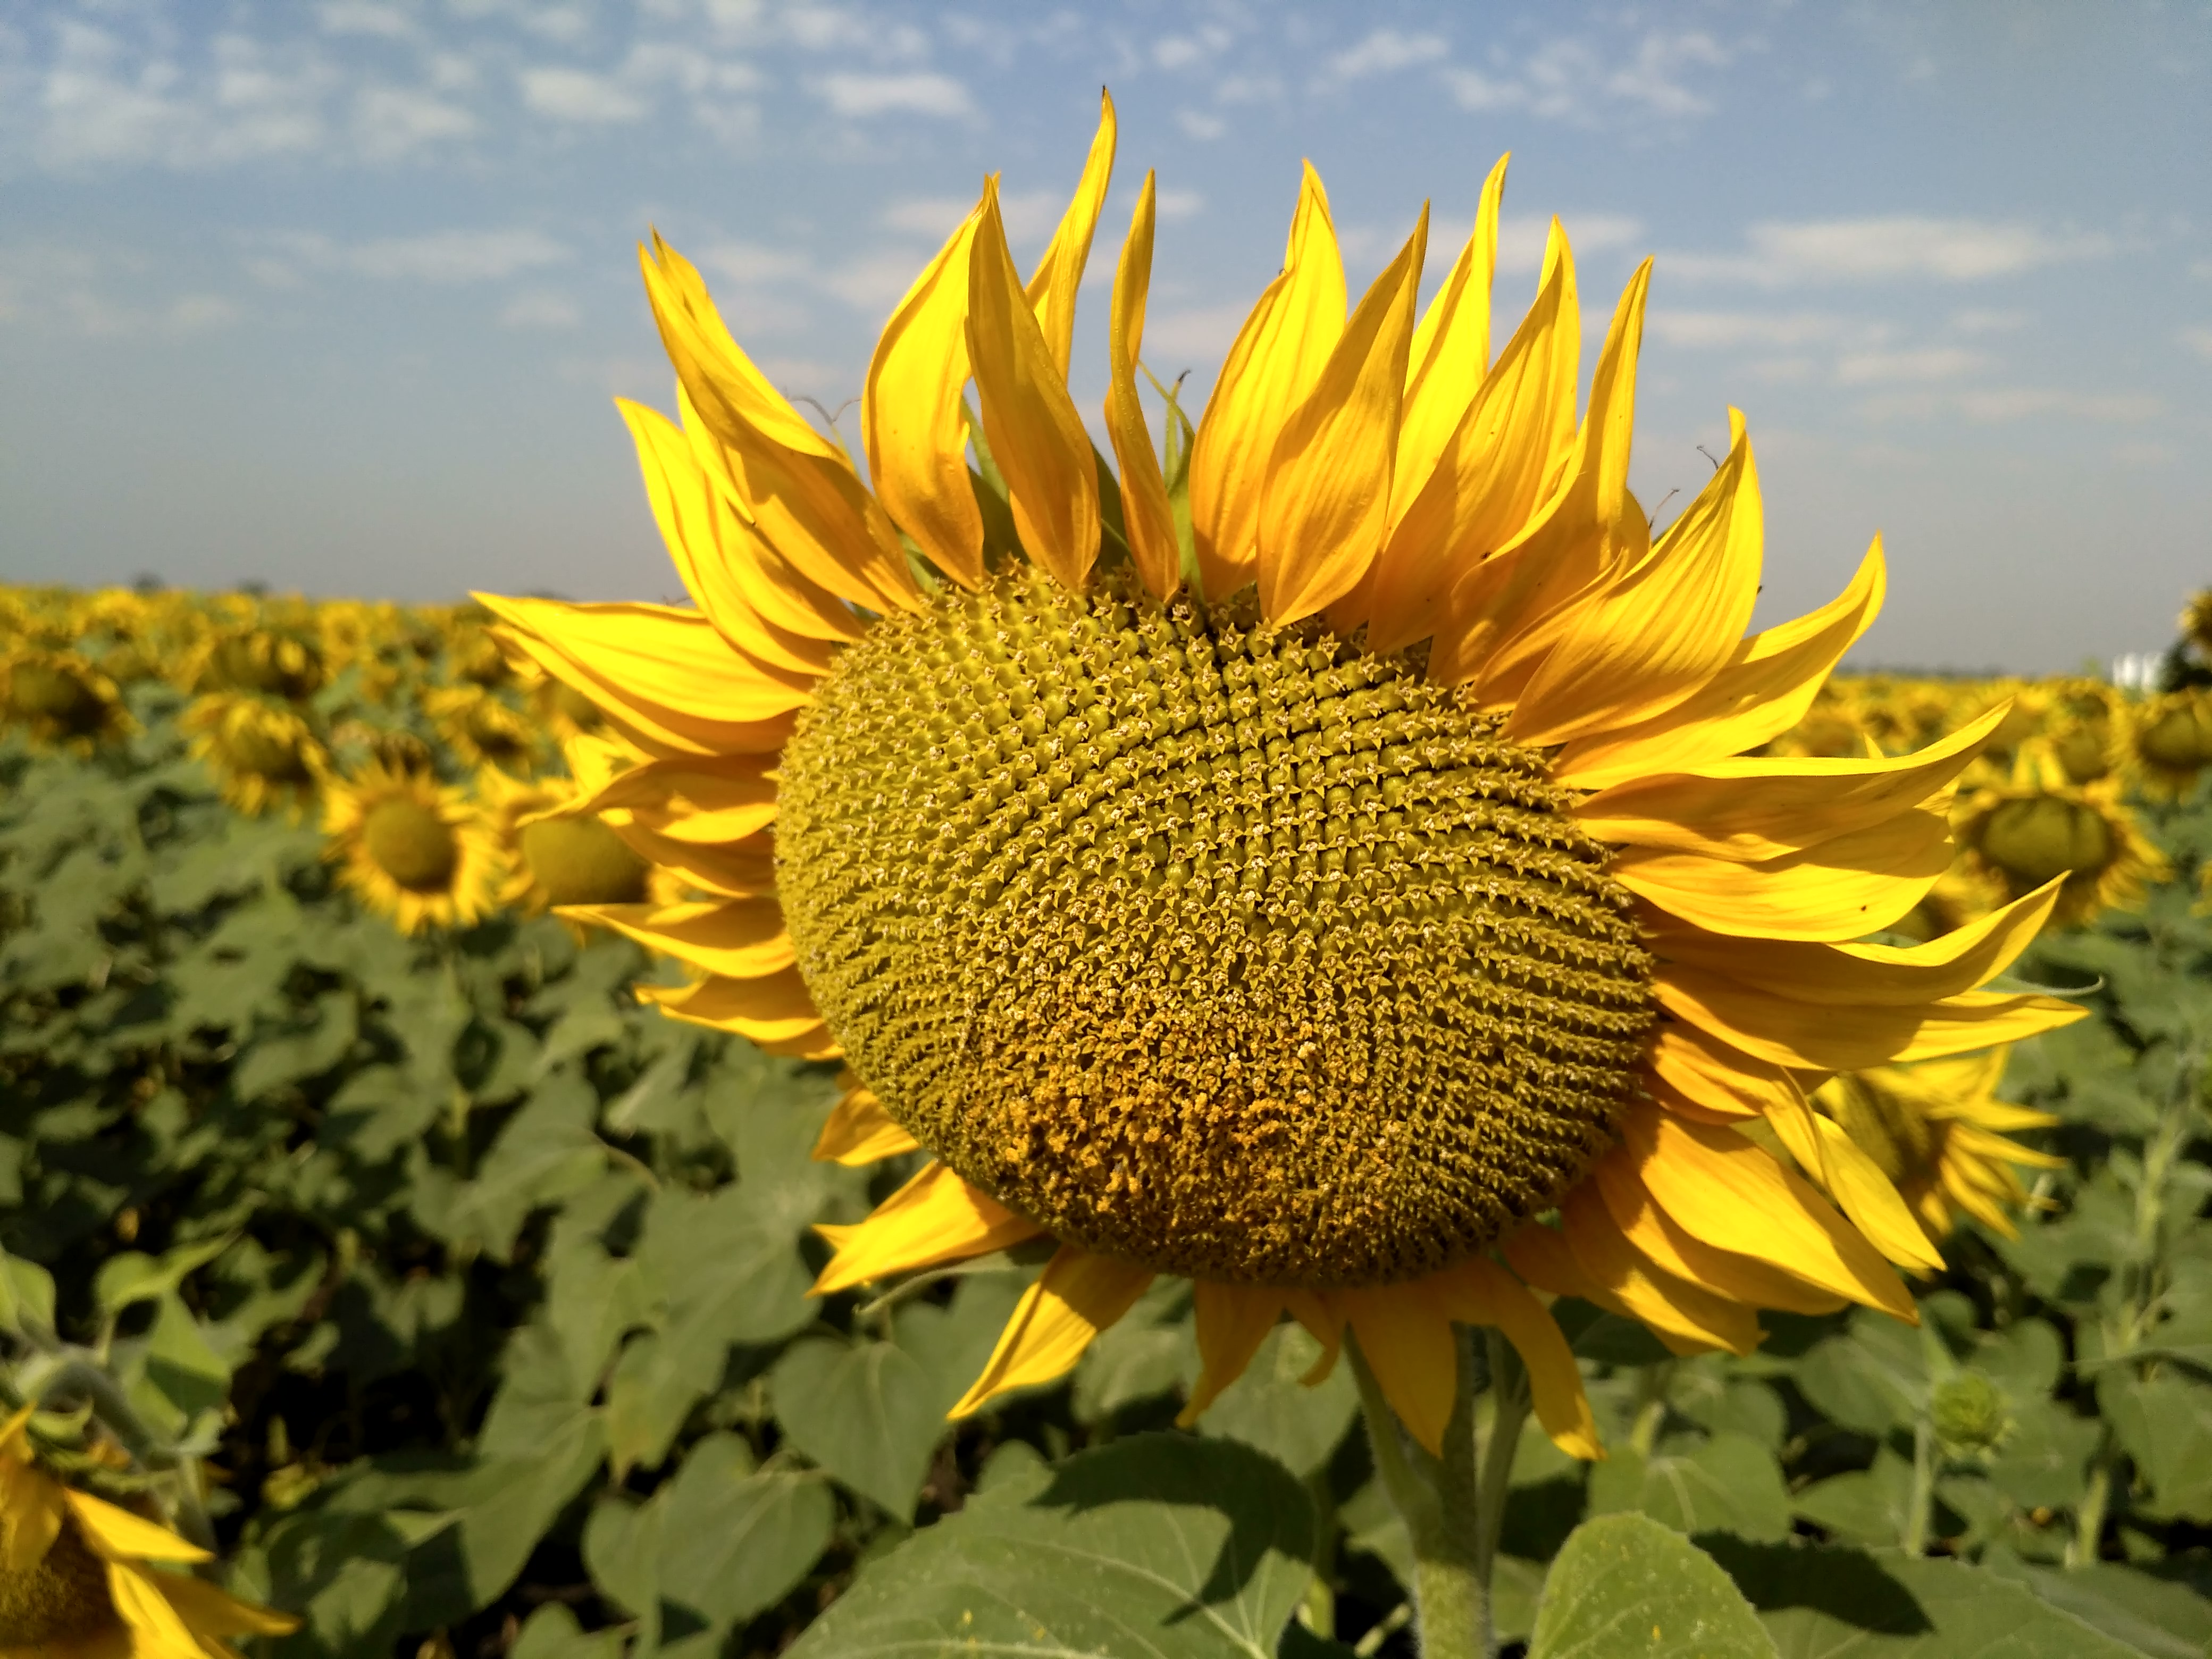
x,y
2165,1423
729,1269
1730,1483
1862,1506
1871,1380
2152,1615
864,1411
1269,1408
133,1276
1160,1544
552,1632
26,1296
1885,1604
1627,1587
1142,1355
2043,1462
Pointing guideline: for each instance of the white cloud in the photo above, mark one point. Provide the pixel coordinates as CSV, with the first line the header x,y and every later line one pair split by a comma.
x,y
1567,80
442,256
1895,246
920,92
1178,204
749,262
65,291
1521,241
1198,125
579,96
1174,52
1199,334
365,17
875,281
1723,329
1999,405
1027,214
1973,321
392,122
1930,364
541,310
1384,52
2198,340
104,102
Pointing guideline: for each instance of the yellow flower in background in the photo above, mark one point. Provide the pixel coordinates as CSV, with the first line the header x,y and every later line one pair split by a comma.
x,y
2039,828
481,728
272,662
1346,887
1935,1130
415,850
61,701
2170,742
2196,622
555,860
263,755
80,1578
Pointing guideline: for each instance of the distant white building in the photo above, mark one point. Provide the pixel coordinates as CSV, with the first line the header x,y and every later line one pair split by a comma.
x,y
2137,671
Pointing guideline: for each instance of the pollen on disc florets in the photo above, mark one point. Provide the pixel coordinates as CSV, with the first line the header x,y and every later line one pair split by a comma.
x,y
1218,947
60,1598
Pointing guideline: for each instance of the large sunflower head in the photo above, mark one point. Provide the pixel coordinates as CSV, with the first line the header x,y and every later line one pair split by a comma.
x,y
413,849
83,1578
61,700
2039,827
2170,741
265,754
1336,876
1935,1129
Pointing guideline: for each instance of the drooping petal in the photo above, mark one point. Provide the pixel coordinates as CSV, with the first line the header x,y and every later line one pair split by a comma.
x,y
1688,1318
771,1010
859,1131
739,938
1146,516
1855,884
1729,1274
208,1611
1052,286
115,1535
1720,1080
911,422
1763,807
1479,1292
157,1630
1275,361
31,1509
1407,1340
1078,1295
1767,685
1871,1200
1232,1321
1664,628
1036,435
1500,462
934,1218
1852,1036
1730,1193
1326,506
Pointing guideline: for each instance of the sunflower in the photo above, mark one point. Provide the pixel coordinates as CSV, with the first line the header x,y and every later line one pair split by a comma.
x,y
275,663
2170,742
1357,905
80,1578
62,701
1934,1128
263,754
2196,622
481,728
2039,827
556,857
413,849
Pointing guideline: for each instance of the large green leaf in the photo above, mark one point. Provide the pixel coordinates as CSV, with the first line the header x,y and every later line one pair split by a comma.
x,y
865,1411
1163,1545
1627,1587
1728,1483
1271,1408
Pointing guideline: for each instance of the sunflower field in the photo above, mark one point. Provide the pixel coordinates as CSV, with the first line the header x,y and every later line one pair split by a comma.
x,y
365,1223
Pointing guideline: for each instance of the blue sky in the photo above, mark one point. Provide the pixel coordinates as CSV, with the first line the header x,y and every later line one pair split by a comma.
x,y
334,296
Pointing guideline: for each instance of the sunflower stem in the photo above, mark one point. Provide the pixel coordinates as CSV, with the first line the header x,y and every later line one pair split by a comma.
x,y
1439,1499
1509,1410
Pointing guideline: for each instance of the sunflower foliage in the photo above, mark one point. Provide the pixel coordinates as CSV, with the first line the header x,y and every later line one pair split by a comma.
x,y
465,1300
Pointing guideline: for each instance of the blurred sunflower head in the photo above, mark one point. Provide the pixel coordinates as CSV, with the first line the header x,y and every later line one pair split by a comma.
x,y
269,661
1935,1130
556,857
413,849
82,1578
2196,622
62,701
1338,880
2039,827
265,754
482,728
2170,742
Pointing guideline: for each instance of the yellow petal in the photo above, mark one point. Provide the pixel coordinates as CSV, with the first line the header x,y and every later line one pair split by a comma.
x,y
1407,1340
1233,1320
1879,974
1078,1295
1850,1037
1146,514
859,1131
1730,1193
818,517
773,1008
1855,884
739,869
1664,628
1052,286
1872,1201
1323,1322
692,516
1687,1317
741,938
1479,1292
1726,1273
1496,472
31,1506
1767,685
208,1611
911,422
1542,1257
1275,361
1036,435
935,1218
157,1630
1450,353
1326,505
119,1535
1792,803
